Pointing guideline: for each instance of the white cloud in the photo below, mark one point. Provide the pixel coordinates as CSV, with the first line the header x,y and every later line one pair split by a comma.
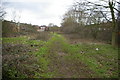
x,y
27,0
39,12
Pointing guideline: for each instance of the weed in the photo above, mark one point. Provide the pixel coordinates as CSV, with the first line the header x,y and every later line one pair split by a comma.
x,y
99,58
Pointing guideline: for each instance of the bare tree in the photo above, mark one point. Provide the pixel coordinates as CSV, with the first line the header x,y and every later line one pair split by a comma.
x,y
118,23
16,15
86,12
111,5
69,22
2,11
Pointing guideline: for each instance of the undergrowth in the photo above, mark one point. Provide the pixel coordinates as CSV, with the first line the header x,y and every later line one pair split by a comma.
x,y
100,58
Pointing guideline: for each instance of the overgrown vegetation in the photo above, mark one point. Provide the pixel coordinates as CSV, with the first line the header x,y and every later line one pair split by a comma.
x,y
57,58
86,13
85,46
10,29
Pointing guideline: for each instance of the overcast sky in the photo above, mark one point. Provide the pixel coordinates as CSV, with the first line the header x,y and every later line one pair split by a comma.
x,y
37,12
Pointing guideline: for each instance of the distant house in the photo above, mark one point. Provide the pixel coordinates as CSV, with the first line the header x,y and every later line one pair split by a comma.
x,y
42,28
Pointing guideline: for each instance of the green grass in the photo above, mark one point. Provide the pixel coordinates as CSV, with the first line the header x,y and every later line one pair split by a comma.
x,y
103,61
14,40
100,61
57,43
22,40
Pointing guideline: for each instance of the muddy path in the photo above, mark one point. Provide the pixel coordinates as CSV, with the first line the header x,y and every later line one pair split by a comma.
x,y
65,68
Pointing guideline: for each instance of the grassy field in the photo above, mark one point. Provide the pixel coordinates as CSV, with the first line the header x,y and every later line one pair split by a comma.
x,y
57,58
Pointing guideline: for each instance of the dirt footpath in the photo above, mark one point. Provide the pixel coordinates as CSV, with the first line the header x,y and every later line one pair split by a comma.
x,y
65,68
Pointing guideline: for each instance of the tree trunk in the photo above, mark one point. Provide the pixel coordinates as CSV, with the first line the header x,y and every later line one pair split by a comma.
x,y
114,31
114,38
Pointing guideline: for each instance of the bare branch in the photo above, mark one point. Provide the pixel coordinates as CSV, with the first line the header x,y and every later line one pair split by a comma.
x,y
118,2
104,16
116,9
98,4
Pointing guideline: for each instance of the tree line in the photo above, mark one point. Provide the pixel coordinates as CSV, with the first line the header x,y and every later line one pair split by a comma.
x,y
84,13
